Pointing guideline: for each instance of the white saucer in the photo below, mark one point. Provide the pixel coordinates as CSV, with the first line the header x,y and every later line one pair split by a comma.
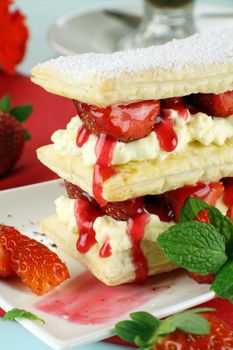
x,y
98,32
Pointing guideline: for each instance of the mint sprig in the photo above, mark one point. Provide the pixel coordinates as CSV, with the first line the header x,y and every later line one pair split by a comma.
x,y
20,313
202,248
221,222
145,329
223,283
195,246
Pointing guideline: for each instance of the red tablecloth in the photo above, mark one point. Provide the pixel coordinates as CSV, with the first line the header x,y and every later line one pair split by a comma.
x,y
51,112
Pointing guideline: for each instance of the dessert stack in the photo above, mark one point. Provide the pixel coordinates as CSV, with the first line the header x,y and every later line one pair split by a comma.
x,y
153,126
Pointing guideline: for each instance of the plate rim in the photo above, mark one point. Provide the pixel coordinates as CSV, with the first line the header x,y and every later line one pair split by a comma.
x,y
56,343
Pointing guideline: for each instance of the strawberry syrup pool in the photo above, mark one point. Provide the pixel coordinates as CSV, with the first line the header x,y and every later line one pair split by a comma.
x,y
86,300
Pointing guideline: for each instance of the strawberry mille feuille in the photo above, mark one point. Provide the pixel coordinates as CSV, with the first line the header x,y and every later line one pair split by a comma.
x,y
153,127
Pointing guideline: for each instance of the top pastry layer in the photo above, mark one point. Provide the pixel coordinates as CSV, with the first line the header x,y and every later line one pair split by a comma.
x,y
201,63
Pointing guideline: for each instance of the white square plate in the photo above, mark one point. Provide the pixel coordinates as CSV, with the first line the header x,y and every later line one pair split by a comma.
x,y
23,207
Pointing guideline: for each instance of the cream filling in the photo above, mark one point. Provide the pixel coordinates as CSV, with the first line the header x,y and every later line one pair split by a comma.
x,y
198,127
107,228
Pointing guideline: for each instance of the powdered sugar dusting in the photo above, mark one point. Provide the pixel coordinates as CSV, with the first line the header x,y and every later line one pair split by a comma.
x,y
199,49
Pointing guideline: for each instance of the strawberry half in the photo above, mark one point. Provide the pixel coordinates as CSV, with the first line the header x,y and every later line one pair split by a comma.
x,y
220,105
126,122
12,134
38,267
5,264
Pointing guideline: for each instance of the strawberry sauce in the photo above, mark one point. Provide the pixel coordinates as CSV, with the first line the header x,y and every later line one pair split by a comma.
x,y
102,168
135,229
85,214
163,128
105,250
85,300
82,136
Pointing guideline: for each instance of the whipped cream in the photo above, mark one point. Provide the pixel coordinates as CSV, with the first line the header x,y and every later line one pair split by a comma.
x,y
107,228
199,127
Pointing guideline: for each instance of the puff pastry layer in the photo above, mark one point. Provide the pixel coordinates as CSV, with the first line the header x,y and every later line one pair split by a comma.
x,y
134,179
200,63
114,270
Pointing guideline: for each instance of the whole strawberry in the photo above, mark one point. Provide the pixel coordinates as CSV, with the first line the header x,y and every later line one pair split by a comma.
x,y
188,330
12,134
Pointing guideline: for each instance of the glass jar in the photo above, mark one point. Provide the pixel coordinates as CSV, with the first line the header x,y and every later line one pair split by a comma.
x,y
163,21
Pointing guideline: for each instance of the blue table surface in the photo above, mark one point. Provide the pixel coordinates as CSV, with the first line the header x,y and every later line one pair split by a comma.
x,y
40,15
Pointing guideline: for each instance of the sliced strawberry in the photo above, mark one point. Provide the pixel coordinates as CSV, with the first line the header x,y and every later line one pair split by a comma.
x,y
216,191
38,267
126,122
208,192
118,210
230,213
220,105
228,191
124,210
5,264
177,104
203,216
202,278
159,206
74,192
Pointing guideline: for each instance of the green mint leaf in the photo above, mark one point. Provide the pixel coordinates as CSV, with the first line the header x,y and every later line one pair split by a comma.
x,y
191,208
224,225
186,321
139,330
128,330
27,135
5,104
21,113
192,323
221,222
195,246
146,320
201,309
223,283
20,313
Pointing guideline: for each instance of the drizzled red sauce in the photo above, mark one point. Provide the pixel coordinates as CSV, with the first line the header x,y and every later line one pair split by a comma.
x,y
102,168
82,136
85,300
85,214
135,229
164,127
166,135
105,250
